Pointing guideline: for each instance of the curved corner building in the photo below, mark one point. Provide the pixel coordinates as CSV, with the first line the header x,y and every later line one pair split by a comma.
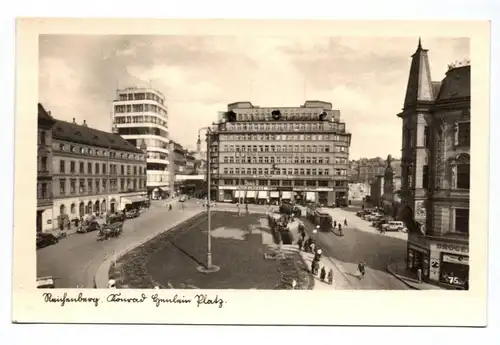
x,y
141,117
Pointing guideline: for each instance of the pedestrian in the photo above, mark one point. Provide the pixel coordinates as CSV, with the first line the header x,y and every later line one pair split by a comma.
x,y
317,254
330,276
322,275
312,247
340,229
334,223
299,243
246,208
345,221
361,268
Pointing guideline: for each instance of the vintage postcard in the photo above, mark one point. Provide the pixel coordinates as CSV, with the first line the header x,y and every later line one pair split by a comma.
x,y
251,172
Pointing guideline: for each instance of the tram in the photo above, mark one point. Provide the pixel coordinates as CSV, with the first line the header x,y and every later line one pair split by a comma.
x,y
319,216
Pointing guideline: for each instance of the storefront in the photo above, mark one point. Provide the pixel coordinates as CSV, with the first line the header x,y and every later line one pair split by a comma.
x,y
450,264
286,196
311,196
239,196
227,195
262,197
274,197
323,198
251,197
418,258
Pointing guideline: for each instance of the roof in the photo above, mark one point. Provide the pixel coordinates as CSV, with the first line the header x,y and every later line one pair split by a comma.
x,y
81,134
43,115
455,85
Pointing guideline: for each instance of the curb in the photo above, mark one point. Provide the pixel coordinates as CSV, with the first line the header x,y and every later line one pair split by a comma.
x,y
403,280
101,277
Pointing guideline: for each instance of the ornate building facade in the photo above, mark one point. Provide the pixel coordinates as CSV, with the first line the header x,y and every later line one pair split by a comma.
x,y
93,172
436,171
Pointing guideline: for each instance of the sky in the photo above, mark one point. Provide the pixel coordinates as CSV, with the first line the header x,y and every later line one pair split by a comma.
x,y
365,78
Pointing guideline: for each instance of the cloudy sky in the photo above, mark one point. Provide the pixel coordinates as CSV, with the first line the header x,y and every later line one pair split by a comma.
x,y
363,77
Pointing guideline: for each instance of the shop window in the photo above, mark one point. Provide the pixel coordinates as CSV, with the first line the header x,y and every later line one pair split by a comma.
x,y
463,176
462,134
454,269
462,220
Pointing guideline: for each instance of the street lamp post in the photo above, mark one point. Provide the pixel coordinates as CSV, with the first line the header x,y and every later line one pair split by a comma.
x,y
208,268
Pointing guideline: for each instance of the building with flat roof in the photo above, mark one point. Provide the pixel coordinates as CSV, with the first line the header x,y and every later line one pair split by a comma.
x,y
141,116
274,154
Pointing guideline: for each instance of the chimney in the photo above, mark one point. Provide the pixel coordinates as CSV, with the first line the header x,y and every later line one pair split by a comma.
x,y
74,120
85,123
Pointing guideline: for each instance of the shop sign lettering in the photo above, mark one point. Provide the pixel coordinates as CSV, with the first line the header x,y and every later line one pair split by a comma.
x,y
452,248
417,248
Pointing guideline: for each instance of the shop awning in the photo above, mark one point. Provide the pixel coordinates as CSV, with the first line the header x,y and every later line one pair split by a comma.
x,y
132,199
286,195
275,194
311,196
239,194
251,194
263,194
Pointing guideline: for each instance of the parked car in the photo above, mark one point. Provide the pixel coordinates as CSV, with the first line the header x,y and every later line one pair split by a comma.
x,y
45,239
378,224
132,213
88,227
393,226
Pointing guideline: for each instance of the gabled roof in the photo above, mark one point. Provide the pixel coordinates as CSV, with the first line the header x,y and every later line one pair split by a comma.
x,y
73,132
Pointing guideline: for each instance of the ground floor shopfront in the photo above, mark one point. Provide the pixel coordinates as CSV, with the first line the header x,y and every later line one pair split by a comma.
x,y
66,210
441,261
270,195
44,218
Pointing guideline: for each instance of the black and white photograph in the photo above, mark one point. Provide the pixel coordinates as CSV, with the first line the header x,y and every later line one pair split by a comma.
x,y
197,167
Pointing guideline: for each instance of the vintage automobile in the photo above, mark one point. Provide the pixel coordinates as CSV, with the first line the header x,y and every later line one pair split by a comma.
x,y
132,213
88,226
45,239
46,282
289,209
320,216
110,230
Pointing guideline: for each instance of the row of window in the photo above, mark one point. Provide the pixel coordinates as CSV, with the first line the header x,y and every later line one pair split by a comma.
x,y
139,96
273,137
461,135
283,171
284,148
157,155
143,131
140,119
98,168
96,152
296,183
281,159
286,127
89,186
42,137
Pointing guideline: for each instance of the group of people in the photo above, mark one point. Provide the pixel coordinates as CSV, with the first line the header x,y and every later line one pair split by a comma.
x,y
309,245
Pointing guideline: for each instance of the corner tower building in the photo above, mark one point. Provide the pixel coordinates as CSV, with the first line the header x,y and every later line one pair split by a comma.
x,y
141,117
295,156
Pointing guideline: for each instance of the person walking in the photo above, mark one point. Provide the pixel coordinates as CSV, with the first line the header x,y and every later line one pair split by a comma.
x,y
345,221
299,243
246,208
361,269
330,277
322,275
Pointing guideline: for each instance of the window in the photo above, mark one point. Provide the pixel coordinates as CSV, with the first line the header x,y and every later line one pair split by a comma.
x,y
104,185
462,220
462,134
97,168
62,166
97,186
463,176
62,186
427,137
44,191
425,176
89,168
72,186
82,186
43,163
122,170
72,167
82,167
43,138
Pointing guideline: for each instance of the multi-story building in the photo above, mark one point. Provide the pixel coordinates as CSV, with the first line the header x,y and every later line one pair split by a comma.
x,y
367,169
140,115
44,171
93,172
436,171
298,157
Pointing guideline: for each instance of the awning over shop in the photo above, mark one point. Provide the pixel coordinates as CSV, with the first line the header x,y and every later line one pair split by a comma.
x,y
132,199
275,194
286,195
239,194
311,196
251,194
263,194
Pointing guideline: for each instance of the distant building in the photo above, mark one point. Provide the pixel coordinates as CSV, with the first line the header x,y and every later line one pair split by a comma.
x,y
366,170
44,221
436,171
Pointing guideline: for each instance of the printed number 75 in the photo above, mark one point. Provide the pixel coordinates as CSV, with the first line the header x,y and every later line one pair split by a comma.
x,y
453,280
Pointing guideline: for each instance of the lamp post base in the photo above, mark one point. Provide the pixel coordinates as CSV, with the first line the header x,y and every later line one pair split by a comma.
x,y
211,269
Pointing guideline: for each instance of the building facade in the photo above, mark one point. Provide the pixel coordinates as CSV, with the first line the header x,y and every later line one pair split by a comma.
x,y
258,159
436,171
141,116
93,172
44,171
366,170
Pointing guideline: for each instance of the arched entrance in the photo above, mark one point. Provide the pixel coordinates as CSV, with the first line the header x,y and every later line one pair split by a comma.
x,y
96,207
112,205
89,207
62,209
82,209
103,206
